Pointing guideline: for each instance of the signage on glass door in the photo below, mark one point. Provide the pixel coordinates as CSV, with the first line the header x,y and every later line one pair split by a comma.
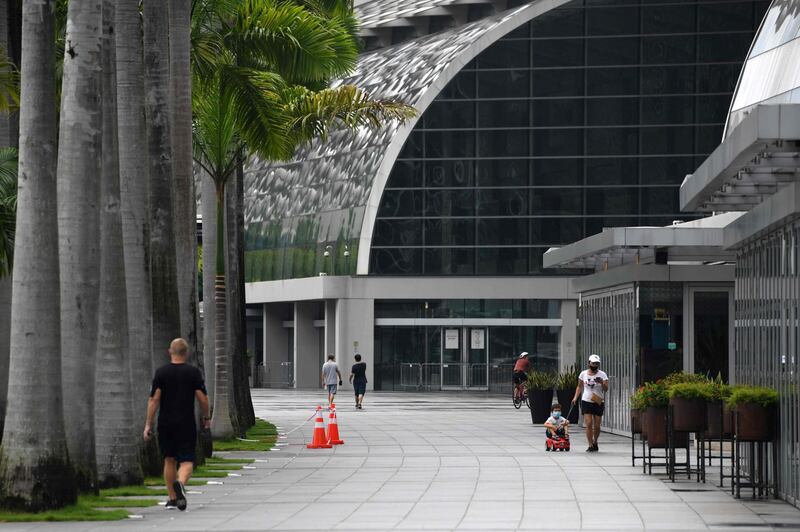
x,y
451,338
478,338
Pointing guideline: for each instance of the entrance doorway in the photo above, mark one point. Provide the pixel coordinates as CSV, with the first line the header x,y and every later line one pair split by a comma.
x,y
465,358
711,329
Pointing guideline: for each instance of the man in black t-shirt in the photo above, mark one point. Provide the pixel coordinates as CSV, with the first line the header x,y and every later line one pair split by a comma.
x,y
175,387
358,377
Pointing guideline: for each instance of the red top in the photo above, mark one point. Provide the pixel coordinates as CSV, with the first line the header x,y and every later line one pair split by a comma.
x,y
522,365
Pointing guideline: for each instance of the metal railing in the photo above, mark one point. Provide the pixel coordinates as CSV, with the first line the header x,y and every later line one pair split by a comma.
x,y
274,375
430,377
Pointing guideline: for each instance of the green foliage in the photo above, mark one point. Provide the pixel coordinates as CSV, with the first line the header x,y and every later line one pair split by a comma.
x,y
652,394
568,380
8,208
683,377
133,491
692,390
219,460
260,437
718,390
752,394
83,510
541,380
9,84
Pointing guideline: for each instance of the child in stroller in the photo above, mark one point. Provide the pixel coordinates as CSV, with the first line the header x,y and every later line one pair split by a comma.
x,y
557,430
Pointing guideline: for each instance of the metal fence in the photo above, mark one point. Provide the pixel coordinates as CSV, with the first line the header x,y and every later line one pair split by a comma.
x,y
274,375
435,376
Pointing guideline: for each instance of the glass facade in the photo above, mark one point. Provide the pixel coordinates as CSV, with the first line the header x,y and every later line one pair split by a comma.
x,y
768,337
589,116
468,308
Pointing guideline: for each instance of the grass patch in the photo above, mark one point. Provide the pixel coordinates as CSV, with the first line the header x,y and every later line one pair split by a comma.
x,y
214,460
202,472
158,481
107,502
222,467
133,491
84,510
263,433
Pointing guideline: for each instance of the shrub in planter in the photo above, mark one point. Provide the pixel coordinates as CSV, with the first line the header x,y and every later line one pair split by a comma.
x,y
540,395
682,377
720,418
653,398
688,401
754,408
638,407
565,391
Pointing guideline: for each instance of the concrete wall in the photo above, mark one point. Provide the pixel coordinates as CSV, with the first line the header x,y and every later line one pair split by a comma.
x,y
355,319
569,334
306,346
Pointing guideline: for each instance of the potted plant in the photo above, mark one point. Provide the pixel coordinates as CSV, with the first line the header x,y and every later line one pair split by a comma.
x,y
566,384
754,409
720,418
638,407
654,399
540,395
688,401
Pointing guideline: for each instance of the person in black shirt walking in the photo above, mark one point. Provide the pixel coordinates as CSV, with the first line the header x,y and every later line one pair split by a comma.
x,y
174,390
358,377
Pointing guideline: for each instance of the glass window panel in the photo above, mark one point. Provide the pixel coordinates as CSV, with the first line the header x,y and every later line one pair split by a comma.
x,y
412,149
555,142
449,144
396,261
450,114
397,233
503,143
668,110
536,308
612,21
612,81
502,172
449,232
405,174
450,261
668,49
717,78
595,225
553,201
707,138
557,52
503,83
502,202
725,17
502,231
560,112
400,203
398,308
449,203
724,47
462,86
611,141
523,32
660,200
666,170
558,82
612,171
667,80
667,140
488,308
502,261
505,54
446,308
561,172
613,51
556,231
448,173
668,19
503,113
617,200
612,111
501,348
558,23
713,109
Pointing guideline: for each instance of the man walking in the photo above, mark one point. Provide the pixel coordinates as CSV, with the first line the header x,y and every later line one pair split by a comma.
x,y
358,378
331,377
175,387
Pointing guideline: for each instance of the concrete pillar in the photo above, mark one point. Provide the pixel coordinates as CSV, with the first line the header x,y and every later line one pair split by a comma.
x,y
569,334
276,346
330,330
306,346
355,329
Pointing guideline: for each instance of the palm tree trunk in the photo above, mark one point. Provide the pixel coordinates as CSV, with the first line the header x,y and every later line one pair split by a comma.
x,y
5,346
116,435
134,190
35,472
79,228
164,288
208,204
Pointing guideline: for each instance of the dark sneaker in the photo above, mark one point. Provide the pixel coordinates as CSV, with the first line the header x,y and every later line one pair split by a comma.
x,y
171,505
180,495
595,447
590,449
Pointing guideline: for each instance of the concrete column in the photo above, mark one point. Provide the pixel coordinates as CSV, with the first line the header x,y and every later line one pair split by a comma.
x,y
306,346
276,345
355,328
569,334
330,330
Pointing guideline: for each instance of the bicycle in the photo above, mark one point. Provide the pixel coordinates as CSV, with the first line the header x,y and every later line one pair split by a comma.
x,y
519,395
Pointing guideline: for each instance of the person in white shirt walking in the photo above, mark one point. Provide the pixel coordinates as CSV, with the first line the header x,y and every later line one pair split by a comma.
x,y
331,377
592,388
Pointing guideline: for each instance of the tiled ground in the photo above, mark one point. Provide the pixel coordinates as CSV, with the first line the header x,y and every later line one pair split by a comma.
x,y
444,462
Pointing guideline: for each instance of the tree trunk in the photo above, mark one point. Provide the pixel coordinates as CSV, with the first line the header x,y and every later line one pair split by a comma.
x,y
79,228
116,435
164,289
5,338
134,190
35,472
208,204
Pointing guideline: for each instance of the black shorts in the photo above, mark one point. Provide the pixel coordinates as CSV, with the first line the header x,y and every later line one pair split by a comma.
x,y
360,388
520,377
177,443
588,407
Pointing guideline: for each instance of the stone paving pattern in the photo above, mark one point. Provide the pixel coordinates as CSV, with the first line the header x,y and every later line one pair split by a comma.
x,y
442,462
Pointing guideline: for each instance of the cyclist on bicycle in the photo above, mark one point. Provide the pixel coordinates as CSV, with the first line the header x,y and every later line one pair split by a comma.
x,y
521,369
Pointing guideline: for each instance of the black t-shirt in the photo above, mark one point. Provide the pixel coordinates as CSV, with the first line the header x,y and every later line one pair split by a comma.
x,y
359,372
177,383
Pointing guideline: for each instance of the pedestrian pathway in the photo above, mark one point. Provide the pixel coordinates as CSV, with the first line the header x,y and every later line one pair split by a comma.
x,y
442,462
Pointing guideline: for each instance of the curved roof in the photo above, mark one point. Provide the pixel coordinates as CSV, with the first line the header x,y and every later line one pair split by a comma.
x,y
339,184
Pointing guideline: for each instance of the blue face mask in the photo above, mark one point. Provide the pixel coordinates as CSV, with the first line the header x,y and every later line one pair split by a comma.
x,y
556,414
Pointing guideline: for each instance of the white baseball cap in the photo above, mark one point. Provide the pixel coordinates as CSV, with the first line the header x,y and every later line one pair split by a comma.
x,y
523,354
594,358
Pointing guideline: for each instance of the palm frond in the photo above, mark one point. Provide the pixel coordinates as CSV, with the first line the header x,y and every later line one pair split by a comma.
x,y
8,207
214,131
9,84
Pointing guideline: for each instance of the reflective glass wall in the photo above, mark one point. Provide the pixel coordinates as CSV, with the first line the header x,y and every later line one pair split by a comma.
x,y
588,117
768,336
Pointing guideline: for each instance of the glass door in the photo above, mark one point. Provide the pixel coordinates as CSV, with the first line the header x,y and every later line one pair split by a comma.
x,y
477,358
452,366
465,358
711,337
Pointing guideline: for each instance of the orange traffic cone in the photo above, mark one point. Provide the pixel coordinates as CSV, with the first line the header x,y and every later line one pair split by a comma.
x,y
333,428
319,441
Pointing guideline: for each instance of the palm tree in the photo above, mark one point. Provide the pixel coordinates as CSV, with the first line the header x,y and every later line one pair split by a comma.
x,y
8,214
79,227
35,471
209,211
116,435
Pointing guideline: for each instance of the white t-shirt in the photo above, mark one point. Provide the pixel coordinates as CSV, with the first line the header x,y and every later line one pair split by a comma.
x,y
590,386
329,372
557,423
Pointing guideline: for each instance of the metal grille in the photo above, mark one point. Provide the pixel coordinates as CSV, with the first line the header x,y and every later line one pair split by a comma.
x,y
768,336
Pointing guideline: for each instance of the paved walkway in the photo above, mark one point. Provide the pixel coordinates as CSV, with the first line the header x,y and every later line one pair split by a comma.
x,y
443,462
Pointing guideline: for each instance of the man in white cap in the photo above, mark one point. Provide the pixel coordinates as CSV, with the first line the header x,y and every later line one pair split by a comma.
x,y
592,388
521,368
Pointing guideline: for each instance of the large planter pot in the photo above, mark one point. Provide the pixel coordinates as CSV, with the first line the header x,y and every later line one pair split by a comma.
x,y
540,402
636,421
565,400
720,421
688,415
754,422
655,425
